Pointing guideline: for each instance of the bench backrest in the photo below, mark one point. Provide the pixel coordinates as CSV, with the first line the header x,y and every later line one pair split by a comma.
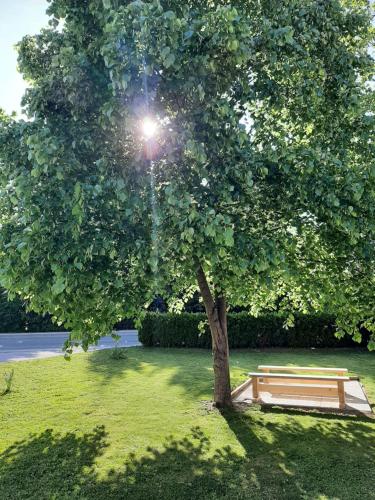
x,y
299,369
289,376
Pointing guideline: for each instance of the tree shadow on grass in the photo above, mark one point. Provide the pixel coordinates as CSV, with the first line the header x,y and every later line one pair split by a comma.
x,y
275,461
189,369
103,364
328,456
50,465
182,469
63,466
325,414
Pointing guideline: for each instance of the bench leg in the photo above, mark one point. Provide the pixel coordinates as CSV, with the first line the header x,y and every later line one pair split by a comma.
x,y
341,391
255,389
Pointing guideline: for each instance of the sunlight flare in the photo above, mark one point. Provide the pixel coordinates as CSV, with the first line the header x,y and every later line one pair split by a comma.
x,y
149,127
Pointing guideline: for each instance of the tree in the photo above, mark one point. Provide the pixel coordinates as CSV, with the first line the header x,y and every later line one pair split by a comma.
x,y
259,187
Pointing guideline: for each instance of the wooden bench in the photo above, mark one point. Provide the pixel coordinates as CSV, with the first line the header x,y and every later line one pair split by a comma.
x,y
296,384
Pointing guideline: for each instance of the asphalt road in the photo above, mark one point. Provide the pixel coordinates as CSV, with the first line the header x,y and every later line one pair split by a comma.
x,y
21,346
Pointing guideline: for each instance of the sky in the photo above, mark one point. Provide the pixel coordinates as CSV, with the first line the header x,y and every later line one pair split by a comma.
x,y
17,18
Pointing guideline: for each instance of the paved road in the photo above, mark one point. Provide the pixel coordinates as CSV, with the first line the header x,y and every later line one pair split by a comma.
x,y
20,346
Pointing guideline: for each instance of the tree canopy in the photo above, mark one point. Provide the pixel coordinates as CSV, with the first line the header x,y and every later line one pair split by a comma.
x,y
261,174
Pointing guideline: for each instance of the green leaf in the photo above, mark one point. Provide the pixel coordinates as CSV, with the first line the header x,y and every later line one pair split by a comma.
x,y
169,60
232,45
77,190
58,286
169,14
228,237
165,52
210,230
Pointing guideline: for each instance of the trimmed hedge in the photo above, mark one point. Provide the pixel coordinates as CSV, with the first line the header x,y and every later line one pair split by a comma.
x,y
15,319
182,330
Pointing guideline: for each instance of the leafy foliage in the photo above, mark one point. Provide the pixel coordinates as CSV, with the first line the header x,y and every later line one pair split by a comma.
x,y
263,170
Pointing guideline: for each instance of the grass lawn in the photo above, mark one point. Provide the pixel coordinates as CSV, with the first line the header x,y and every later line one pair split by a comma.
x,y
139,428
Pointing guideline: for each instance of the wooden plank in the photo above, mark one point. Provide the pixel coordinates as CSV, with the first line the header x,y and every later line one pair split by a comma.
x,y
341,391
291,380
292,376
300,390
270,368
240,388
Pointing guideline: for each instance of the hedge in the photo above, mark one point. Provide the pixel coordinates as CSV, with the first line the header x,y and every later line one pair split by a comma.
x,y
14,318
182,330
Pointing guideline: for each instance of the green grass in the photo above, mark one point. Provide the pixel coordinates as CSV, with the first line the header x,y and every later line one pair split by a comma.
x,y
139,428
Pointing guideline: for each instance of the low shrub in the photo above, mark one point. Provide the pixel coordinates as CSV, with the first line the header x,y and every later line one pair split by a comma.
x,y
182,330
118,353
8,379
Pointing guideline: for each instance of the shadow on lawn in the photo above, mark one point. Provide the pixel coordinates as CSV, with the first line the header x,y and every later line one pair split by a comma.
x,y
324,414
50,465
283,461
190,369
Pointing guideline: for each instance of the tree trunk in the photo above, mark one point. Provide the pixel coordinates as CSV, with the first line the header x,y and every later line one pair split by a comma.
x,y
217,319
